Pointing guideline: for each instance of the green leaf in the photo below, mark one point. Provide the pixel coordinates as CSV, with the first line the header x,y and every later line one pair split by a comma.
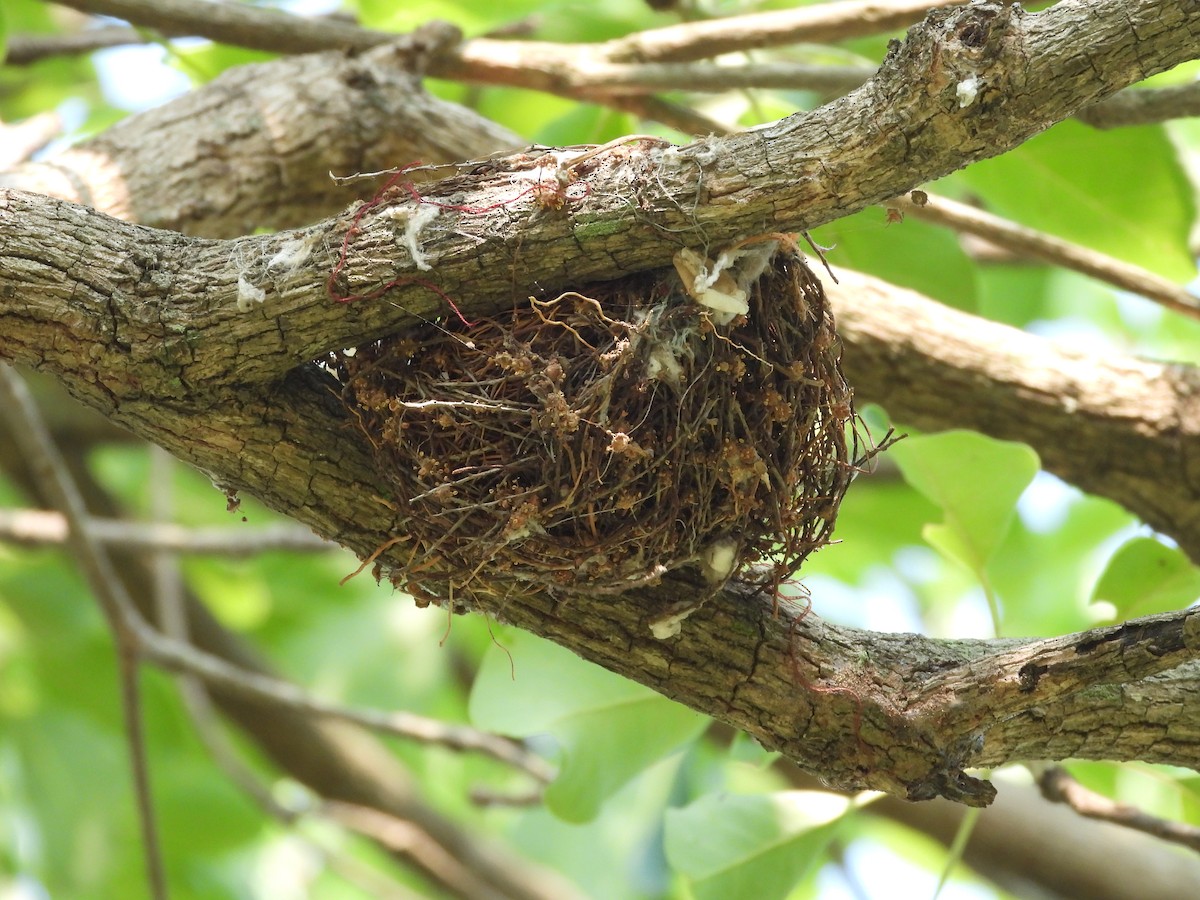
x,y
585,124
751,846
1046,573
205,62
976,481
608,727
1145,577
1122,192
911,253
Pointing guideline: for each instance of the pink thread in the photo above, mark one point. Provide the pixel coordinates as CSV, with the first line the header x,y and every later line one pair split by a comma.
x,y
354,229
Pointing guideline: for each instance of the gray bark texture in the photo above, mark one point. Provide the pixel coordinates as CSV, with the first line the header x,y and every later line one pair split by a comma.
x,y
202,346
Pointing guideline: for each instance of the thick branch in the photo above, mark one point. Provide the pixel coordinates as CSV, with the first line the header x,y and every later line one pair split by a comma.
x,y
254,148
190,372
831,698
1119,427
633,209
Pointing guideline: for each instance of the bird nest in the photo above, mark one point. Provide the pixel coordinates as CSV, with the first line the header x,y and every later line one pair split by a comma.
x,y
597,440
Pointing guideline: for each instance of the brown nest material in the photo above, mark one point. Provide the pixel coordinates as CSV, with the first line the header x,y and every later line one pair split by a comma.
x,y
595,441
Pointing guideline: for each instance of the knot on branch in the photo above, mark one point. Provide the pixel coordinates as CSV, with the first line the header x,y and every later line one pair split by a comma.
x,y
956,54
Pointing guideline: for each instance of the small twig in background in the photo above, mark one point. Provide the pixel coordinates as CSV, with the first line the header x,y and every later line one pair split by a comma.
x,y
172,616
820,24
485,796
606,72
37,526
170,602
46,463
1058,786
1030,242
137,640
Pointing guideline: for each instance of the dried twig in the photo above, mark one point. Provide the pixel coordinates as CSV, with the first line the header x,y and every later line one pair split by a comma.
x,y
615,79
257,27
818,24
171,607
1030,242
611,72
1058,786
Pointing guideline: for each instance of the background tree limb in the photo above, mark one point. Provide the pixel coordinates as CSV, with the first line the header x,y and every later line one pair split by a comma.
x,y
266,448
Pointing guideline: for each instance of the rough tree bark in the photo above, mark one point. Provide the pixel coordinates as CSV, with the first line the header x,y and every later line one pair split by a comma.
x,y
146,327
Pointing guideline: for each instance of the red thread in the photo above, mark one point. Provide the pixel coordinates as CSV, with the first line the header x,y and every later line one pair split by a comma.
x,y
805,684
351,232
354,230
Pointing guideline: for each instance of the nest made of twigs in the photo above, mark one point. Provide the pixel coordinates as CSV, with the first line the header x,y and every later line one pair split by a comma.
x,y
597,440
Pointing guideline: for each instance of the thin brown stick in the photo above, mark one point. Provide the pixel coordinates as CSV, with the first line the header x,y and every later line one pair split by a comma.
x,y
257,27
29,432
819,24
171,609
1030,242
1058,786
403,837
26,49
614,79
177,655
40,526
674,115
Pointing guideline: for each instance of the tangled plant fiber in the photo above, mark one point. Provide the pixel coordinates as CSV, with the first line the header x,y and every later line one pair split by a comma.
x,y
595,441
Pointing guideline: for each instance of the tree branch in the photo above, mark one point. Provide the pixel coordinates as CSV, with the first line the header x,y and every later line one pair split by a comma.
x,y
1031,848
270,29
27,428
656,59
862,709
254,148
1029,242
38,526
1058,786
1144,107
638,204
256,27
1119,427
26,49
